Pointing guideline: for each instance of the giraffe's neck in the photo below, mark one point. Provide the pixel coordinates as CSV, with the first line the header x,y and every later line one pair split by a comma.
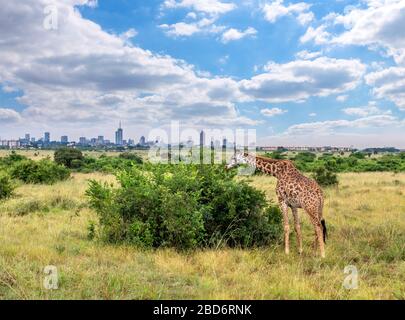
x,y
268,166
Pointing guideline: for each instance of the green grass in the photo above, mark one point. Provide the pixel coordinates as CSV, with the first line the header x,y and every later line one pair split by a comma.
x,y
48,225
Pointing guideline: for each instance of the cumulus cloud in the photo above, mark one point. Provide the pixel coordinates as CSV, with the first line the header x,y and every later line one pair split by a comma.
x,y
318,35
342,98
81,74
276,9
390,84
206,6
378,25
272,112
181,29
332,125
9,115
370,109
201,21
307,55
234,34
300,79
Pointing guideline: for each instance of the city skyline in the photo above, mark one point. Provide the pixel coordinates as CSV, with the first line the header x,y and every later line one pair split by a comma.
x,y
297,71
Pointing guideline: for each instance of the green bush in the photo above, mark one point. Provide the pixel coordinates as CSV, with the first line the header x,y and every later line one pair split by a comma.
x,y
70,158
43,171
131,156
11,159
6,186
183,206
325,176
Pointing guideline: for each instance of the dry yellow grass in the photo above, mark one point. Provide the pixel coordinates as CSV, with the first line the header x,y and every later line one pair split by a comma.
x,y
47,225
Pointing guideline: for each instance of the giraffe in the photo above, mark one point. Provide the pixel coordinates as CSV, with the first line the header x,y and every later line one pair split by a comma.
x,y
294,191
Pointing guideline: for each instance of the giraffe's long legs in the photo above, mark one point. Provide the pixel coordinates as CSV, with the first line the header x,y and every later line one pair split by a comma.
x,y
319,235
314,216
284,209
297,227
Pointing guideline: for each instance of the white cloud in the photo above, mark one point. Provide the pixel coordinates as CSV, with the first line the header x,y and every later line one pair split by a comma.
x,y
181,29
318,35
272,112
300,79
306,55
389,84
312,114
234,34
206,6
305,18
129,34
276,9
342,98
378,25
370,109
82,74
375,121
191,15
9,115
186,29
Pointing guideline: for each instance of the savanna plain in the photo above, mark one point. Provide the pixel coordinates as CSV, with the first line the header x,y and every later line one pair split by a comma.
x,y
45,225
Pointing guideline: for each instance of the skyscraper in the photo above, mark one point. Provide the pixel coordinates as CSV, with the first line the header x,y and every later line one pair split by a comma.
x,y
64,139
100,140
142,141
47,137
202,138
119,136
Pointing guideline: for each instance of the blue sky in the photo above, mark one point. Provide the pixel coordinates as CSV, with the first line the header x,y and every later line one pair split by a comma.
x,y
299,72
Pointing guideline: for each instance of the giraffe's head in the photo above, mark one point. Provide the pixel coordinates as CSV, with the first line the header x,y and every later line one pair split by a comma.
x,y
236,160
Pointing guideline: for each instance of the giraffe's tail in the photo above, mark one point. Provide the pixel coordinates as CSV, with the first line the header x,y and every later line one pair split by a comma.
x,y
325,231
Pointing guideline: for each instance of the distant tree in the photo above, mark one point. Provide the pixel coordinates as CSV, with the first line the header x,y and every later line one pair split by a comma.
x,y
325,176
70,158
131,156
305,156
358,155
276,155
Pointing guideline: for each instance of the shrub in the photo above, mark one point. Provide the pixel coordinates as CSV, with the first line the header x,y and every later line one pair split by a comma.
x,y
11,159
183,206
43,171
131,156
325,176
110,164
6,186
70,158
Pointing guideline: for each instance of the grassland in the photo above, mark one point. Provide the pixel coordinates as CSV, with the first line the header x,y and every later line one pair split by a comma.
x,y
47,225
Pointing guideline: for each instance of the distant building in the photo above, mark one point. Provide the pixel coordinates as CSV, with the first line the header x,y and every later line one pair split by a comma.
x,y
119,136
224,143
82,140
10,143
202,138
27,137
142,141
64,139
47,137
100,140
